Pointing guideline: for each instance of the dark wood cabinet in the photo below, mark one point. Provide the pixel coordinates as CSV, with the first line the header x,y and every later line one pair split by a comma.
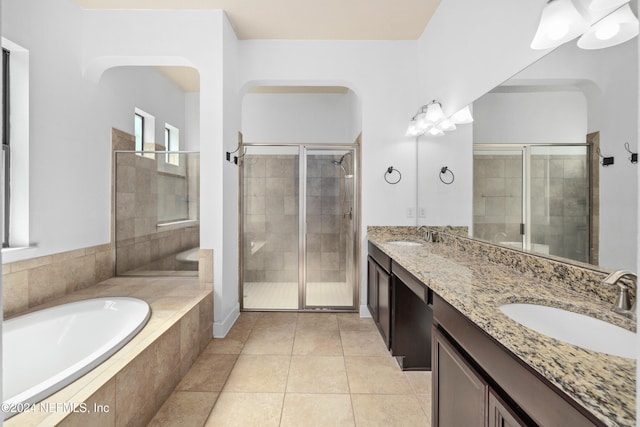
x,y
384,304
412,317
461,395
501,414
379,291
466,359
372,288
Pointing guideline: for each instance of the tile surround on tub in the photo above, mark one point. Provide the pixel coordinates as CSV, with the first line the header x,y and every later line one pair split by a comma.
x,y
135,381
35,281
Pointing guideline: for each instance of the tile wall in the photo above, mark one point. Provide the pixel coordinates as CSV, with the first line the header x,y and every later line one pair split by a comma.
x,y
148,192
559,202
26,284
271,219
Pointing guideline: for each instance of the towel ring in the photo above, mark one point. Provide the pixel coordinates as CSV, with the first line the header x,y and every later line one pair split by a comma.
x,y
390,170
443,172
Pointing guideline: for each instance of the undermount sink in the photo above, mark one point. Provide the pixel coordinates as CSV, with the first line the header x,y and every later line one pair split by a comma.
x,y
577,329
405,243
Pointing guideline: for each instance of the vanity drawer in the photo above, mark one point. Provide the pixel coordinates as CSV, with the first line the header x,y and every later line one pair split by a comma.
x,y
380,257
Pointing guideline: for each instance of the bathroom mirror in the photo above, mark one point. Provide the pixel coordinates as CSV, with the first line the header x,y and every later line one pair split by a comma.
x,y
538,121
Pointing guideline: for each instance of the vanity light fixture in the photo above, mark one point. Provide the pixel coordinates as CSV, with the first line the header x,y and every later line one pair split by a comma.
x,y
430,119
606,4
616,28
462,117
559,23
600,23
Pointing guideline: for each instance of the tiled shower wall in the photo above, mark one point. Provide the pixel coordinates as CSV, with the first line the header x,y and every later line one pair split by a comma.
x,y
271,219
560,200
562,220
326,227
149,192
497,197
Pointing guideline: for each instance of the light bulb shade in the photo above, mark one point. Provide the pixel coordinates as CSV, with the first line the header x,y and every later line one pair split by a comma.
x,y
435,131
446,125
619,27
412,129
606,4
434,113
422,123
462,117
559,23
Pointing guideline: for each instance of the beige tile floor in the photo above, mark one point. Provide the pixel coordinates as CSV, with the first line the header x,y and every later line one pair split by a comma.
x,y
298,369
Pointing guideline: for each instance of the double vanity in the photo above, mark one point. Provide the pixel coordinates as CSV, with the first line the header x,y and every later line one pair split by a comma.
x,y
512,338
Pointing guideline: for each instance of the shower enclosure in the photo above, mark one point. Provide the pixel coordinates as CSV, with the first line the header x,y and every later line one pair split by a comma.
x,y
157,228
298,228
533,197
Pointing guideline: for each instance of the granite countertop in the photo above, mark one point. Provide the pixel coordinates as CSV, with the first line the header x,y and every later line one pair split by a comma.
x,y
603,384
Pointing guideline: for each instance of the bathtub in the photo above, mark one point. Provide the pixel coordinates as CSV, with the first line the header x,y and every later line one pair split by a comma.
x,y
190,255
48,349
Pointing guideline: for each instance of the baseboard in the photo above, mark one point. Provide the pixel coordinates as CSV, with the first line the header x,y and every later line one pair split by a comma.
x,y
364,311
221,329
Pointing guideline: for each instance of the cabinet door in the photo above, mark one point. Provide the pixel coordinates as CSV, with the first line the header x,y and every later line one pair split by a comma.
x,y
500,415
384,304
372,288
460,394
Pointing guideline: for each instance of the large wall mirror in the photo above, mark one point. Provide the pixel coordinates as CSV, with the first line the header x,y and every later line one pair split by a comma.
x,y
536,182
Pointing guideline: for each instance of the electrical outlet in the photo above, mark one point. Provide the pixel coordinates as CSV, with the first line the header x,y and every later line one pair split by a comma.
x,y
411,213
422,212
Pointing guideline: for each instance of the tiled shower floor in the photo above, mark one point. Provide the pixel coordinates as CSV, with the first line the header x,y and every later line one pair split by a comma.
x,y
284,295
298,369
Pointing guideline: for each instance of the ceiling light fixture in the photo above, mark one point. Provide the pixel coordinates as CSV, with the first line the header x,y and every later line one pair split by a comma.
x,y
602,24
430,119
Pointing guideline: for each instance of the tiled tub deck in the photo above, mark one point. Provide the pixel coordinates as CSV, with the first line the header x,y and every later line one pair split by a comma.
x,y
130,387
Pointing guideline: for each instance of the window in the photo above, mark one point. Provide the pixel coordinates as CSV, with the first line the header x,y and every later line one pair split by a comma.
x,y
14,180
139,131
6,153
172,144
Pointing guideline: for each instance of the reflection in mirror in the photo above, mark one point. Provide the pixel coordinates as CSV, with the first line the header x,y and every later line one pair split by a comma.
x,y
539,189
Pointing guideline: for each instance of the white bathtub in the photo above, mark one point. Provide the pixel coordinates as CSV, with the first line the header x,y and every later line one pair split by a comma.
x,y
45,350
190,255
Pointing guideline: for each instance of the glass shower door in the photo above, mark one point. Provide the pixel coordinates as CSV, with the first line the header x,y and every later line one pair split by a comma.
x,y
559,194
270,267
330,228
498,195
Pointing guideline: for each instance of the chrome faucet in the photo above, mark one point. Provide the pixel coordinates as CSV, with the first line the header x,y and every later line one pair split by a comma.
x,y
622,305
428,235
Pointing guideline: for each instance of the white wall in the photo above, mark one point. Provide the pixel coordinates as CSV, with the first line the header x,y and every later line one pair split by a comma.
x,y
227,305
122,89
300,118
446,204
538,117
191,141
70,125
383,75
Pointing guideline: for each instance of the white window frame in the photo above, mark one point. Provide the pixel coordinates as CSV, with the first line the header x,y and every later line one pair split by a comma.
x,y
19,172
171,144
